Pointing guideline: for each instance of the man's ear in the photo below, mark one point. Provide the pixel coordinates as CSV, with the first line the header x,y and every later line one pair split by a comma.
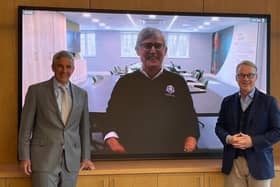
x,y
165,51
137,50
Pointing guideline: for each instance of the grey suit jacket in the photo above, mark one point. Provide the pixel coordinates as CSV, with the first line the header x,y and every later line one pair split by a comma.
x,y
43,136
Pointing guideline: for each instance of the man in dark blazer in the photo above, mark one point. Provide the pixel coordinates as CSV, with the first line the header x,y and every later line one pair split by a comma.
x,y
248,126
53,147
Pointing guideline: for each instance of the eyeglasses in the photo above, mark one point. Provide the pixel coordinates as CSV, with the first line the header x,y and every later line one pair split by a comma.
x,y
149,46
243,76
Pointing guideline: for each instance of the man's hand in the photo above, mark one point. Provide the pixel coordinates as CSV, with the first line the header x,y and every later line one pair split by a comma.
x,y
87,165
190,144
234,139
115,146
241,141
26,166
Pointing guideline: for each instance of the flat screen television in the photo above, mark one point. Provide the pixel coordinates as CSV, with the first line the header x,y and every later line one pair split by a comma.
x,y
204,48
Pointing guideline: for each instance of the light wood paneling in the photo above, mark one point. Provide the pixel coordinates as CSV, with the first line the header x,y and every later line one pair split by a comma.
x,y
8,95
214,180
155,5
55,3
170,180
149,173
180,180
2,182
133,180
90,181
276,180
236,6
19,182
8,13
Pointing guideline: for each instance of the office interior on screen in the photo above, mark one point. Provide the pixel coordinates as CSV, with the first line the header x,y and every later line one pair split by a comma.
x,y
203,49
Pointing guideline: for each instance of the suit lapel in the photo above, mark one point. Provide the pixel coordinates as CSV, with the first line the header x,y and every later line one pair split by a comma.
x,y
253,109
74,102
53,100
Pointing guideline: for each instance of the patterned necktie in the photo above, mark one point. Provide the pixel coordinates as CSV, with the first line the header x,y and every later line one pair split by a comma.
x,y
65,104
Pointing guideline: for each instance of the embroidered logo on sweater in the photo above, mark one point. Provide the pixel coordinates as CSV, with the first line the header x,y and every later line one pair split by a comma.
x,y
170,90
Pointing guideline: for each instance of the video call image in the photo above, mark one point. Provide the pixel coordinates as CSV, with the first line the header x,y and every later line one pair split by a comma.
x,y
203,48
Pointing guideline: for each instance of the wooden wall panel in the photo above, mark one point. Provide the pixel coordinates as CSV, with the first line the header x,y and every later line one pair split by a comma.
x,y
180,180
155,5
139,180
8,82
8,13
55,3
214,180
276,181
8,95
236,6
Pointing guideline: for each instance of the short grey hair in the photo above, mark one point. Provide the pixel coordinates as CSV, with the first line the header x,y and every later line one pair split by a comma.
x,y
147,33
62,54
247,63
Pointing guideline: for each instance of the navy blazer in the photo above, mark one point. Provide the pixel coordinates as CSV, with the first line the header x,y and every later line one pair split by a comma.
x,y
263,126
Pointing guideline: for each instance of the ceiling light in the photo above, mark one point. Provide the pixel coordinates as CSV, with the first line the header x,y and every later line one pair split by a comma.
x,y
206,23
131,19
86,15
172,22
215,19
95,20
152,16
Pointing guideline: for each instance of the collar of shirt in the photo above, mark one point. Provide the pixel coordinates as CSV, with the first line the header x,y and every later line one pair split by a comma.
x,y
248,99
57,85
152,78
57,90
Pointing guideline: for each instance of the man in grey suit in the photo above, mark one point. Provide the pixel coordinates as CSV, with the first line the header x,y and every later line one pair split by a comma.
x,y
54,138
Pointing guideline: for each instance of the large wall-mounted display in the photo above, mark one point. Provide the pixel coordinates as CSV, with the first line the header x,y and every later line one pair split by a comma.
x,y
203,48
